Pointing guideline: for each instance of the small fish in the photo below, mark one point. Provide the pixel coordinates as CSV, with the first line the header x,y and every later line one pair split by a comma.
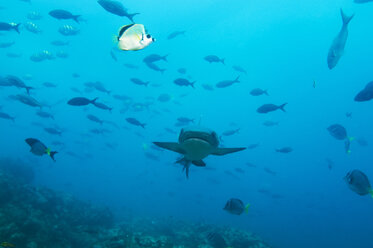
x,y
208,87
81,101
227,83
337,48
98,86
185,120
358,182
348,114
236,206
314,84
9,26
17,82
61,14
95,119
258,92
68,30
164,97
182,70
102,106
28,100
239,170
116,8
154,58
231,132
139,82
184,82
44,114
239,69
214,59
32,27
284,150
13,55
155,67
135,122
131,66
53,131
113,56
169,130
269,171
38,148
6,116
266,108
173,35
251,165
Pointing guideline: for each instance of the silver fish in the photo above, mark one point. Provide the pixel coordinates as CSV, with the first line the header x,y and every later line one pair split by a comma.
x,y
337,48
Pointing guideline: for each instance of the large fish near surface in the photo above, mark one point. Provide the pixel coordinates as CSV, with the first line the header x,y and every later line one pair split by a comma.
x,y
116,8
337,48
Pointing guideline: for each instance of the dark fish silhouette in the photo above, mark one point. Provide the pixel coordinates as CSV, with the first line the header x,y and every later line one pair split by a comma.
x,y
61,14
81,101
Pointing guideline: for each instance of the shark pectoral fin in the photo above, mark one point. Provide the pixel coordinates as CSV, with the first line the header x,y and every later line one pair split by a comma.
x,y
172,146
199,163
223,151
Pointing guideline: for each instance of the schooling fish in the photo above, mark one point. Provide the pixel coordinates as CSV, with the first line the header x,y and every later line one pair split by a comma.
x,y
81,101
226,83
61,14
266,108
135,122
337,48
116,8
214,59
184,82
9,26
173,35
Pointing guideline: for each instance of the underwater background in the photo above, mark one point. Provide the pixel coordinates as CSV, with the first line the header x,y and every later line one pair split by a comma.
x,y
297,199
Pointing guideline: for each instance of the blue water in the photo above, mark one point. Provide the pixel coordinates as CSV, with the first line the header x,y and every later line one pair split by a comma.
x,y
282,45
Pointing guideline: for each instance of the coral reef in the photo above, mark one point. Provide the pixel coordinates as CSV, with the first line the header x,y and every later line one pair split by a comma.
x,y
36,217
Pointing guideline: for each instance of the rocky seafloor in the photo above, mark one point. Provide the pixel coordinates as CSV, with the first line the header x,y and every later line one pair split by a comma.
x,y
37,217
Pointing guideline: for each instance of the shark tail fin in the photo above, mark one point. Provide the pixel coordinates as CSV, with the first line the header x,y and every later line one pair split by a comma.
x,y
345,18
